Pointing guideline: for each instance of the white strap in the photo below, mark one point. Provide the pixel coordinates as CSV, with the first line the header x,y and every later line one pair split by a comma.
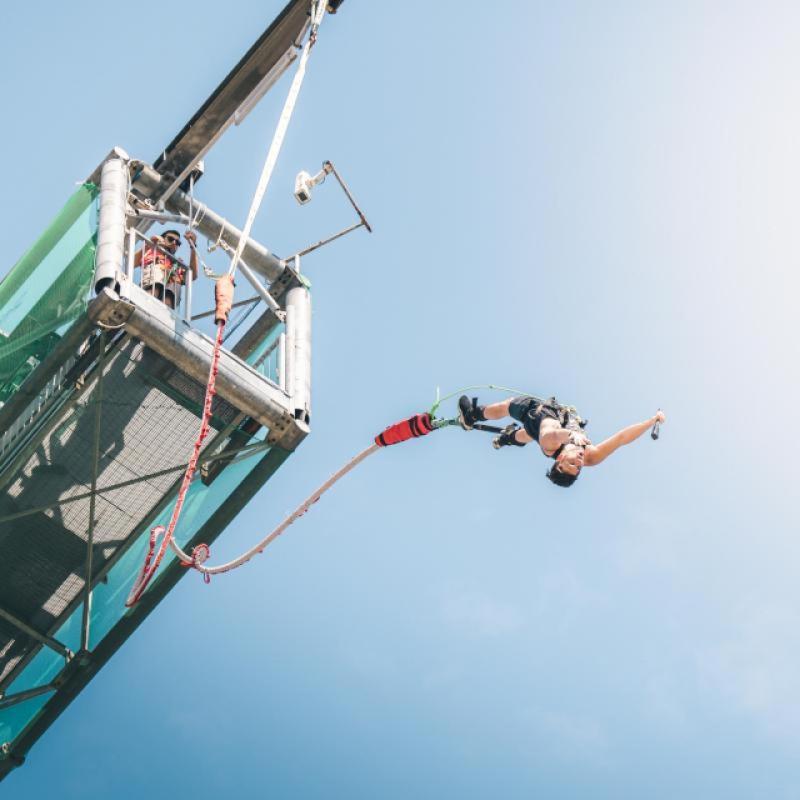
x,y
280,133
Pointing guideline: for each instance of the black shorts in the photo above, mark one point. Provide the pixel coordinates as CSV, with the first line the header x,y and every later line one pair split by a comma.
x,y
524,410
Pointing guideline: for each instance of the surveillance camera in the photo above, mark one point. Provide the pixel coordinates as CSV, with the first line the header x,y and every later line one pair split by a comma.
x,y
304,183
302,187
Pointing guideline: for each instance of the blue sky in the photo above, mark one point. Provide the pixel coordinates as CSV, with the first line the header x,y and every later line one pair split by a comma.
x,y
593,201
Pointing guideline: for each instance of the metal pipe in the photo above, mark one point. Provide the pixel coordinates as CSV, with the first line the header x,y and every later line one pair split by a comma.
x,y
8,700
328,166
267,353
187,308
215,227
130,266
87,572
323,242
260,288
53,644
158,216
111,227
298,351
290,336
282,361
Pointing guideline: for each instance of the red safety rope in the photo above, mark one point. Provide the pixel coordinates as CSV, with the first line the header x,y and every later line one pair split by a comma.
x,y
151,564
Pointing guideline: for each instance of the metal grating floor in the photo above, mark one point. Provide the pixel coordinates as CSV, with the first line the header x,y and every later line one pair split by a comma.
x,y
142,430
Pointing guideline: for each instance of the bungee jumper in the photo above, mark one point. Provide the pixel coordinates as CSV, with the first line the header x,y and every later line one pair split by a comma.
x,y
558,430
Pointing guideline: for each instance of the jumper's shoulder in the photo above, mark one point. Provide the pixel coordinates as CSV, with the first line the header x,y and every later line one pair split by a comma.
x,y
592,455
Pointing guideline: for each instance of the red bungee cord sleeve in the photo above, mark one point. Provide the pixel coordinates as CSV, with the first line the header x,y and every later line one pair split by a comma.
x,y
418,425
223,295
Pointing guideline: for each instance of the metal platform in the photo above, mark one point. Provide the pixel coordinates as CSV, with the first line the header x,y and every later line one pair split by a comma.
x,y
96,465
100,413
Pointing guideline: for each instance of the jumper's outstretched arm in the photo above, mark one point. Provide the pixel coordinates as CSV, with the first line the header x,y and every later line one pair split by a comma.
x,y
597,453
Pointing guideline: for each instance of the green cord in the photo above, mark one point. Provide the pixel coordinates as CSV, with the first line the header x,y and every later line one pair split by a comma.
x,y
493,386
440,400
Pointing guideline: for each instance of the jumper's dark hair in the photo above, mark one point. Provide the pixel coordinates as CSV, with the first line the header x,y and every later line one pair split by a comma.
x,y
560,478
177,233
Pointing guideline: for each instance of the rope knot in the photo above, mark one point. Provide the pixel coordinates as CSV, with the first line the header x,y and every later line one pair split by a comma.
x,y
200,554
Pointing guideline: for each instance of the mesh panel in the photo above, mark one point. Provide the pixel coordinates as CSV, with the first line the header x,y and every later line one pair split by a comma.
x,y
193,394
142,431
47,289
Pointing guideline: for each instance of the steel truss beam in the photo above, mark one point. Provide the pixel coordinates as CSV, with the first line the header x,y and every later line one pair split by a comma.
x,y
8,700
87,571
43,638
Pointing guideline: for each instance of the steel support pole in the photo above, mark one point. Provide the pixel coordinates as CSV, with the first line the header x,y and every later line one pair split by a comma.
x,y
42,638
271,302
282,361
129,265
111,228
187,300
158,216
8,700
87,572
298,351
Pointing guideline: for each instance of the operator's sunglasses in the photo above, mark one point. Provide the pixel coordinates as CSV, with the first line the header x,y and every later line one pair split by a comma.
x,y
172,240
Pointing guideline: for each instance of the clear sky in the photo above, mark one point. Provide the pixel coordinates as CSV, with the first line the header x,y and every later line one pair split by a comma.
x,y
596,201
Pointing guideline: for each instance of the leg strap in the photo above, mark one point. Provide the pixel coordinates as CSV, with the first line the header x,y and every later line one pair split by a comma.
x,y
508,437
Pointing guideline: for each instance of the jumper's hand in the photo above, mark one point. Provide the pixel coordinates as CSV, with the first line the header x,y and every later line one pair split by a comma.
x,y
656,422
191,237
579,439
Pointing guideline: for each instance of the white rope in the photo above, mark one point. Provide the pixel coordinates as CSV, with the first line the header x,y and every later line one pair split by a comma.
x,y
280,133
191,198
222,245
196,559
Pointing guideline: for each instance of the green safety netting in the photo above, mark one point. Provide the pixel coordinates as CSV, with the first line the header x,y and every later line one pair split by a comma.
x,y
47,289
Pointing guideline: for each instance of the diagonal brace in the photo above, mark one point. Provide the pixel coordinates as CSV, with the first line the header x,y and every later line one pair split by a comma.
x,y
53,644
8,700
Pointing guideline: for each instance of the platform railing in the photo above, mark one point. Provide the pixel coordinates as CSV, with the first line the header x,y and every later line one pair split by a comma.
x,y
139,242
